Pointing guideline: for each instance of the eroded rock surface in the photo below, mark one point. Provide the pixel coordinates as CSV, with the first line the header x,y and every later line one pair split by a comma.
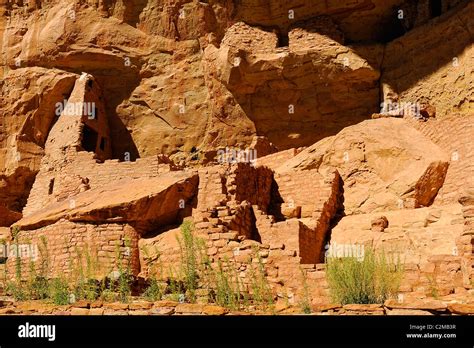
x,y
289,93
27,101
385,164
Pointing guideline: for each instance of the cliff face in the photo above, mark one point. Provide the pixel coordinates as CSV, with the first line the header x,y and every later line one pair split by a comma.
x,y
188,75
150,58
175,81
434,64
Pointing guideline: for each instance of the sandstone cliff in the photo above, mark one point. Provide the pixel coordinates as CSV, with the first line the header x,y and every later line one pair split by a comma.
x,y
171,83
250,118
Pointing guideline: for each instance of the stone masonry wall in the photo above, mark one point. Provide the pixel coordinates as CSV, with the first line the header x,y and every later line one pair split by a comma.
x,y
301,193
62,241
306,235
281,259
242,233
250,184
81,172
245,37
234,182
66,169
275,160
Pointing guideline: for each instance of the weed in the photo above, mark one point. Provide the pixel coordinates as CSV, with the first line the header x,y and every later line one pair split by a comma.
x,y
227,287
433,286
189,259
371,280
59,291
305,303
261,290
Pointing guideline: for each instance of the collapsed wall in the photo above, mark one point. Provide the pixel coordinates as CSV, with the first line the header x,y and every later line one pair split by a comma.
x,y
232,217
63,248
83,203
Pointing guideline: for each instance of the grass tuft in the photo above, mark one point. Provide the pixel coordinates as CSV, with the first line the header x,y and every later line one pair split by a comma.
x,y
373,279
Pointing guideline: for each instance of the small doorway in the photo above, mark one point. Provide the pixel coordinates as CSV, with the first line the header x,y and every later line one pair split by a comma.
x,y
89,139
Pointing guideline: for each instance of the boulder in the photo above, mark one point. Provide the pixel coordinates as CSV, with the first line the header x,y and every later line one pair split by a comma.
x,y
379,224
144,202
385,165
410,235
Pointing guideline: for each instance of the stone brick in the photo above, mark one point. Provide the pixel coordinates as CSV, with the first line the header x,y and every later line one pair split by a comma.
x,y
228,235
189,308
96,311
142,305
116,306
162,310
408,312
79,311
433,305
461,308
364,307
138,312
115,312
214,310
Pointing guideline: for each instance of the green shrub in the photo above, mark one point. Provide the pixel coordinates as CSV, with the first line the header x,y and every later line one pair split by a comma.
x,y
305,302
176,287
227,286
125,278
221,281
373,279
16,290
189,258
124,286
16,287
156,288
261,291
38,288
108,295
44,254
154,291
59,291
433,286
